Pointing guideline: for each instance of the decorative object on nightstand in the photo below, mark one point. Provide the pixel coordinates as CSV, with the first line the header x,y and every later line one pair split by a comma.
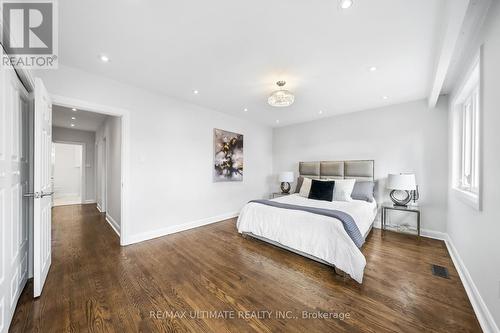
x,y
402,187
286,177
389,206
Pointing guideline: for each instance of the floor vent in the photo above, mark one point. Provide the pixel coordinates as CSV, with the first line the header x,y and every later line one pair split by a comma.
x,y
440,271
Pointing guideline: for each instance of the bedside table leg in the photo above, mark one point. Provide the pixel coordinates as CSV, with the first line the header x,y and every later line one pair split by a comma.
x,y
382,222
418,225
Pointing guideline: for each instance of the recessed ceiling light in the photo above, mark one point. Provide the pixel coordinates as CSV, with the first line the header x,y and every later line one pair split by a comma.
x,y
373,69
277,121
73,118
344,4
104,58
73,109
72,125
385,97
320,112
245,109
196,92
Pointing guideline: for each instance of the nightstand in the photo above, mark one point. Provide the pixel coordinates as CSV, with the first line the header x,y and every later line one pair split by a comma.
x,y
409,208
278,195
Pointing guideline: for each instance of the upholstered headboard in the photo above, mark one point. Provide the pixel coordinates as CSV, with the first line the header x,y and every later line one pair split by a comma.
x,y
358,169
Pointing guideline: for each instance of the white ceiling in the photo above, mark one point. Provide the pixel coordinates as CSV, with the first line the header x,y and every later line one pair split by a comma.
x,y
233,52
84,120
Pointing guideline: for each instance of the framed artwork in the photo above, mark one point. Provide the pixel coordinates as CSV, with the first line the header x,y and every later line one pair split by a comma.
x,y
228,156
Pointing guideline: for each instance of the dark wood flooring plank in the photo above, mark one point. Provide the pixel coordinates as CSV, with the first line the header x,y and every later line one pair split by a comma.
x,y
95,285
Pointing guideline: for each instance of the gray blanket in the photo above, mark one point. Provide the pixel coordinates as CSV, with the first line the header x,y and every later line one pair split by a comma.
x,y
347,221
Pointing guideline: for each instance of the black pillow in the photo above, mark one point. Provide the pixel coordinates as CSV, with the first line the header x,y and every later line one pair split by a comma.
x,y
321,190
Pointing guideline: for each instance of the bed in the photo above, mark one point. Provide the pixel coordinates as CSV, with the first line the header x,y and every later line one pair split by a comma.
x,y
321,238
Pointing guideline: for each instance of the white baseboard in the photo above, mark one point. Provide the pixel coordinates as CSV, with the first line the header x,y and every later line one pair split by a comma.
x,y
89,201
484,316
423,232
434,234
177,228
99,208
113,224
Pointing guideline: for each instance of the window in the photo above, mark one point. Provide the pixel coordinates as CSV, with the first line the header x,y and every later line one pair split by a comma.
x,y
469,180
466,138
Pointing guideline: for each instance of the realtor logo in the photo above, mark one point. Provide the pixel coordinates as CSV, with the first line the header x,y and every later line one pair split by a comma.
x,y
29,33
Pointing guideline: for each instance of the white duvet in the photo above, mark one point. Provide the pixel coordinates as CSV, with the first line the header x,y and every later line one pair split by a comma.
x,y
320,236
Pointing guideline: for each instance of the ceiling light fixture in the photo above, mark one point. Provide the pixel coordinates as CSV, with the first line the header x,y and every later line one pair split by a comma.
x,y
373,69
320,112
72,125
245,109
73,118
104,58
385,97
344,4
196,92
73,109
281,97
277,121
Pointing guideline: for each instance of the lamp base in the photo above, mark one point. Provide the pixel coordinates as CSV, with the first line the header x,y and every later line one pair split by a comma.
x,y
400,198
285,188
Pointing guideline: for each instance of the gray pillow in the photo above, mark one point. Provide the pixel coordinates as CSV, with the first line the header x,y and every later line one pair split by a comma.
x,y
363,190
300,180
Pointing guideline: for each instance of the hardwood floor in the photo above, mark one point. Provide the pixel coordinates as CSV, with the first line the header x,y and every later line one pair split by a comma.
x,y
95,285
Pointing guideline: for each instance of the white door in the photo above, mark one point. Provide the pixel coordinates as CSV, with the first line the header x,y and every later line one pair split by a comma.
x,y
42,214
14,175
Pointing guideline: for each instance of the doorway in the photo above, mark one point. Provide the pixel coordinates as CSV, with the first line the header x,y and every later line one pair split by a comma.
x,y
87,158
101,174
67,173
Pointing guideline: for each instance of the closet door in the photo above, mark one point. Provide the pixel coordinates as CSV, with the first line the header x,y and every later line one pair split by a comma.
x,y
42,183
14,175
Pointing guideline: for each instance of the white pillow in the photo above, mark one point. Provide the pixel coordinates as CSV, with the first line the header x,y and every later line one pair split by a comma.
x,y
305,188
343,189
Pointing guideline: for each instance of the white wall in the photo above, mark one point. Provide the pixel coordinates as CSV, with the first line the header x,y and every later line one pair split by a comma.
x,y
401,138
476,234
72,135
110,135
68,171
171,154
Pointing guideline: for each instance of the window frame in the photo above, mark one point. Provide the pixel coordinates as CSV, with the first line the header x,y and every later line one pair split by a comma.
x,y
466,178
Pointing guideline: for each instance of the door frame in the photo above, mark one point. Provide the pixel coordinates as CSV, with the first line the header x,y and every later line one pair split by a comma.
x,y
83,187
124,114
102,170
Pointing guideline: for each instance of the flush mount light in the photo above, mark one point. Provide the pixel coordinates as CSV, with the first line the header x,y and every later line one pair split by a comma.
x,y
104,58
320,112
277,121
344,4
385,97
73,118
72,125
373,69
196,92
73,109
245,109
281,98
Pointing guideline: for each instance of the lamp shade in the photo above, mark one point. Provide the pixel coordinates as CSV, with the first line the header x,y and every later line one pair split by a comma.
x,y
403,182
286,177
